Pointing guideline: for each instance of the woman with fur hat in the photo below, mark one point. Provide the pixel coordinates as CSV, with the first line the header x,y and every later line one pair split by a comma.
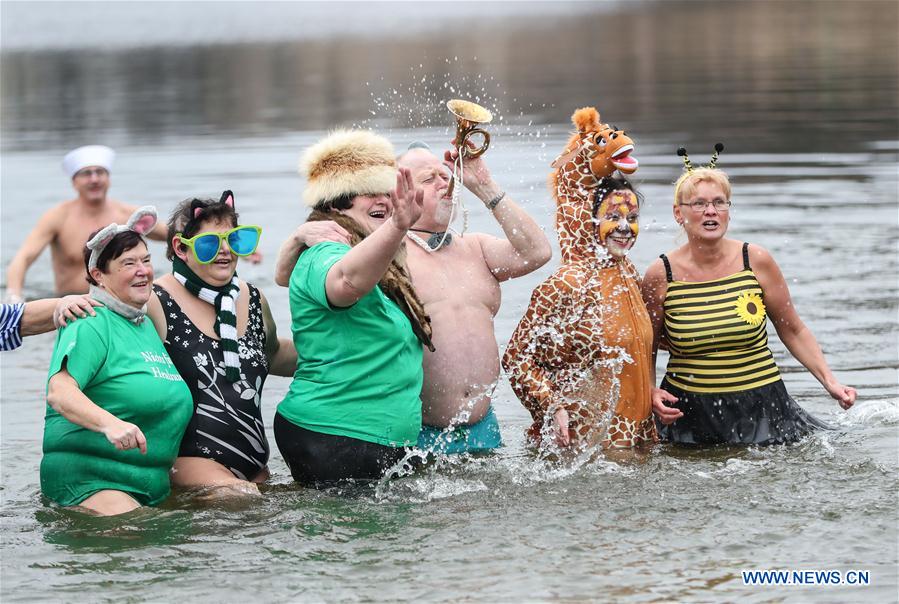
x,y
357,323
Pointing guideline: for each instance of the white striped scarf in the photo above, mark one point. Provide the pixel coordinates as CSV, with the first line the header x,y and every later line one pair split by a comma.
x,y
224,299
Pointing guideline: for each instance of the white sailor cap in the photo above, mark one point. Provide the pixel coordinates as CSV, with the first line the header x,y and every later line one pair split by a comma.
x,y
89,155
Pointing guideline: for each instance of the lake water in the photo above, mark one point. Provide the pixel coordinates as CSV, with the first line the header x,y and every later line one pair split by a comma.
x,y
804,96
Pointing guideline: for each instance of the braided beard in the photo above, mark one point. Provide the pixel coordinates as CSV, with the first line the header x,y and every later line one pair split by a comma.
x,y
395,283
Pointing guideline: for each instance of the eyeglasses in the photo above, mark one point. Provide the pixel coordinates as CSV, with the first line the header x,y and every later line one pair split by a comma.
x,y
699,205
88,172
242,240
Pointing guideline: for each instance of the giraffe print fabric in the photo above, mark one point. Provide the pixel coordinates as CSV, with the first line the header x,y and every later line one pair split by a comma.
x,y
585,341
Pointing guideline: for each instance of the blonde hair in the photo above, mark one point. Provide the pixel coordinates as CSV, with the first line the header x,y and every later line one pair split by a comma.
x,y
687,182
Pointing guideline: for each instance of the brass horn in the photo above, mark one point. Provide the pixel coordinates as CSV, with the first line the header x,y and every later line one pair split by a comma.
x,y
468,115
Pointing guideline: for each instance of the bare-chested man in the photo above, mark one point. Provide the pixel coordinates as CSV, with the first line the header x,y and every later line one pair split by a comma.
x,y
67,226
458,282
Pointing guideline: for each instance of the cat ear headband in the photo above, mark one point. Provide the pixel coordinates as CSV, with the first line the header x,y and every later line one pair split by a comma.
x,y
141,222
197,206
688,166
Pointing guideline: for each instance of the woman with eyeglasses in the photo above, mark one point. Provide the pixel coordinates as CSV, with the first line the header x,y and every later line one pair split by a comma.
x,y
709,301
222,339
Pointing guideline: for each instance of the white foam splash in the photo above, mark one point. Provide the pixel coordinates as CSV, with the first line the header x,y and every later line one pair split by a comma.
x,y
874,413
430,488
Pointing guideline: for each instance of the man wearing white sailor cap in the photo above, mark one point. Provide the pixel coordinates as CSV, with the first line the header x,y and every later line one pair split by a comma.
x,y
66,226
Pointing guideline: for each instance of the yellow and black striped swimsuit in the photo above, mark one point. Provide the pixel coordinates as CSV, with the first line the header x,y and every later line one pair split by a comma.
x,y
717,333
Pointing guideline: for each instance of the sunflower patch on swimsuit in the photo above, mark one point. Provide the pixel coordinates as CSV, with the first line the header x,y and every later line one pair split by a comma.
x,y
750,308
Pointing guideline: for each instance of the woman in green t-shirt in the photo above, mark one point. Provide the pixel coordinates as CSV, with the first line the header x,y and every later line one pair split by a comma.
x,y
358,327
116,405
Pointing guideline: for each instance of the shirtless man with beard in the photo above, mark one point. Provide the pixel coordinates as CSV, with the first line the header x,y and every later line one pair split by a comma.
x,y
457,278
67,226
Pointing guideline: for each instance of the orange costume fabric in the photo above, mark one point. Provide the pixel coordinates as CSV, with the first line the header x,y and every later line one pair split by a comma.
x,y
586,324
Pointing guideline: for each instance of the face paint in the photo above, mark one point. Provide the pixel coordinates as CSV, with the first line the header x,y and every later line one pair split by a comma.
x,y
617,221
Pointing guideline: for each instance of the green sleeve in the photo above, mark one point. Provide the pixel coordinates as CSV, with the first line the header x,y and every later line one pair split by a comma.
x,y
82,348
311,271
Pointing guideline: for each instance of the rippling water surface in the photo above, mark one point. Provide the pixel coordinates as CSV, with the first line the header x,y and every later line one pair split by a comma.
x,y
672,525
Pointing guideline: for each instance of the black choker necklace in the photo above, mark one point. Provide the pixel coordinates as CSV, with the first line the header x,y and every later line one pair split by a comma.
x,y
437,239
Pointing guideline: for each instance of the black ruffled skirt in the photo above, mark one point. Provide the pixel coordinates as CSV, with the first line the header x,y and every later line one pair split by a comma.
x,y
762,416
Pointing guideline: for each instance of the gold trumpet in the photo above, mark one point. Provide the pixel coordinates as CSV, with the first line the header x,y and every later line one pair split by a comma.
x,y
468,116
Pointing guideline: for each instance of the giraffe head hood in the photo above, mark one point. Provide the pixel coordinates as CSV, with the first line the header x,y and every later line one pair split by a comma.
x,y
593,152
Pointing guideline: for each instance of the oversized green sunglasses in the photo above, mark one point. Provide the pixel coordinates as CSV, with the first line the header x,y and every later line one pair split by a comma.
x,y
242,240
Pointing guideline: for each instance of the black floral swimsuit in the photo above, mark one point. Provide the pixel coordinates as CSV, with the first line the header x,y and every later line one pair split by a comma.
x,y
227,422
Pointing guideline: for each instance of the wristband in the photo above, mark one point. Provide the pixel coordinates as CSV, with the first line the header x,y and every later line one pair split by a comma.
x,y
495,201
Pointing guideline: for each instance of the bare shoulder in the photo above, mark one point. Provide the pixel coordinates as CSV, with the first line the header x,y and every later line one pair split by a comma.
x,y
56,216
157,315
678,254
655,271
655,282
245,289
154,305
479,240
165,282
760,256
262,299
757,252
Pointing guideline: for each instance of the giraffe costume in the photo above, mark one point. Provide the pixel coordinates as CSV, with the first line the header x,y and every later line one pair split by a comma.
x,y
586,324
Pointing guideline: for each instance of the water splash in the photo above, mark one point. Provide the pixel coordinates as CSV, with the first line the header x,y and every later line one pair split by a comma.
x,y
420,103
873,413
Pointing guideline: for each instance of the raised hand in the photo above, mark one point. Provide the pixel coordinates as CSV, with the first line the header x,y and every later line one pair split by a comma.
x,y
407,201
475,175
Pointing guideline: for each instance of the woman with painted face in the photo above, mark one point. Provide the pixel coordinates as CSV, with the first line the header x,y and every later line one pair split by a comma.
x,y
579,359
358,326
710,301
117,409
222,339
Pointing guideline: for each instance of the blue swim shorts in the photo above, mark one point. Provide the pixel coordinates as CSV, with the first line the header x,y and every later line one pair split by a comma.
x,y
479,437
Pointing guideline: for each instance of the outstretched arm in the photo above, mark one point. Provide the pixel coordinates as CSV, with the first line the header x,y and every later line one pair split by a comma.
x,y
44,315
525,248
357,273
42,234
798,338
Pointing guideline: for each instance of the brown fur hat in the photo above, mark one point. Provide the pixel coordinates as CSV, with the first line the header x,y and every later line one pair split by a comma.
x,y
347,162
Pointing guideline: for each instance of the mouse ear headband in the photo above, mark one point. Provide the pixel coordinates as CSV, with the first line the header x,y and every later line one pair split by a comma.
x,y
141,222
688,166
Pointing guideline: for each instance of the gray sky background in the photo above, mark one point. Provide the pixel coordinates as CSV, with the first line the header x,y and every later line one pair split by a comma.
x,y
32,25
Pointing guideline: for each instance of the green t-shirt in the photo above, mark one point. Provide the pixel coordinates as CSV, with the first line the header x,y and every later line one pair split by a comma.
x,y
123,368
358,368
